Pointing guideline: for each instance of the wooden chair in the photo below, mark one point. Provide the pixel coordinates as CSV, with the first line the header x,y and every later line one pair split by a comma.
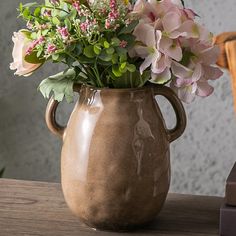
x,y
227,59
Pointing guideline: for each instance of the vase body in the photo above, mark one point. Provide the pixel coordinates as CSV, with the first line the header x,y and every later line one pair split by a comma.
x,y
115,162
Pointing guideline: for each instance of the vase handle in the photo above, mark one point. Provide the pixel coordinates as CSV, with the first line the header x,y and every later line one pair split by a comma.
x,y
50,116
170,95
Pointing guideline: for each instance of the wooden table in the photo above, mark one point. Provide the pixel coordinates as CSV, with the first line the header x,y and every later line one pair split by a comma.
x,y
38,209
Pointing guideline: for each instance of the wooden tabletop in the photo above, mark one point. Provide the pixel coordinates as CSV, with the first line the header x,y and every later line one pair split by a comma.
x,y
38,209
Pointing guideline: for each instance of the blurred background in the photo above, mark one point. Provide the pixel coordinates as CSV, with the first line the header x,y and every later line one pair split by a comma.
x,y
201,158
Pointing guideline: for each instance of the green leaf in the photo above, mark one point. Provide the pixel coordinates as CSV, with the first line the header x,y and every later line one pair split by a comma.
x,y
26,13
21,7
129,29
39,53
34,35
61,85
97,49
55,57
110,50
33,59
123,65
44,32
121,51
131,80
116,71
187,55
106,44
31,4
131,68
68,24
89,52
115,42
105,57
114,58
129,38
55,21
78,49
85,60
72,14
37,12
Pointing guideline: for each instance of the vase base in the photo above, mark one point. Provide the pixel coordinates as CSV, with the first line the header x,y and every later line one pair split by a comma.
x,y
111,227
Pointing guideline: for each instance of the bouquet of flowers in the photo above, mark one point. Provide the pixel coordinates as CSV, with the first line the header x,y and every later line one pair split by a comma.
x,y
116,44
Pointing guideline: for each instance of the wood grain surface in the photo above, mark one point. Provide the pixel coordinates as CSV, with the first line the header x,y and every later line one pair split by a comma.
x,y
38,209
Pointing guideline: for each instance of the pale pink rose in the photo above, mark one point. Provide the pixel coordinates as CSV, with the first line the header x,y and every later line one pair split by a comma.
x,y
21,44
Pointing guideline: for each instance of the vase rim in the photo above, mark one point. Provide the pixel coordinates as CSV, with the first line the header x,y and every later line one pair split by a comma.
x,y
148,86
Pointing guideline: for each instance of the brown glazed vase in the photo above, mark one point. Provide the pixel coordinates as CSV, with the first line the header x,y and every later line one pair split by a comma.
x,y
115,166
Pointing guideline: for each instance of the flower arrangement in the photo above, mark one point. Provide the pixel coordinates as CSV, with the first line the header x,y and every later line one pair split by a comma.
x,y
116,44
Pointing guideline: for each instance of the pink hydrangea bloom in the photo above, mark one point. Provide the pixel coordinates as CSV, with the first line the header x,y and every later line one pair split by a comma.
x,y
173,44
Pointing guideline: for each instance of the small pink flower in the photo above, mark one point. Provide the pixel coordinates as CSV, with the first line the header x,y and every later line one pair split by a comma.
x,y
63,32
113,15
113,4
42,27
107,24
54,2
29,50
41,39
76,5
47,13
29,25
123,44
51,48
34,44
84,26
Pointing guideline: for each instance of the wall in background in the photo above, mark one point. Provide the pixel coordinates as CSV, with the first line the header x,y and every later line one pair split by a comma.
x,y
201,158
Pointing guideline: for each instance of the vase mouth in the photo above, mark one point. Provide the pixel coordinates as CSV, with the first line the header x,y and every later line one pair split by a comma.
x,y
107,89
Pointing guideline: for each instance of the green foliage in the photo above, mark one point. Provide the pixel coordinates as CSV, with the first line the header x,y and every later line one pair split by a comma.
x,y
34,59
128,29
60,84
94,55
131,79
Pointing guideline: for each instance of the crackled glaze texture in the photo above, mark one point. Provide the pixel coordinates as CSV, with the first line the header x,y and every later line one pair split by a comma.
x,y
201,159
115,155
